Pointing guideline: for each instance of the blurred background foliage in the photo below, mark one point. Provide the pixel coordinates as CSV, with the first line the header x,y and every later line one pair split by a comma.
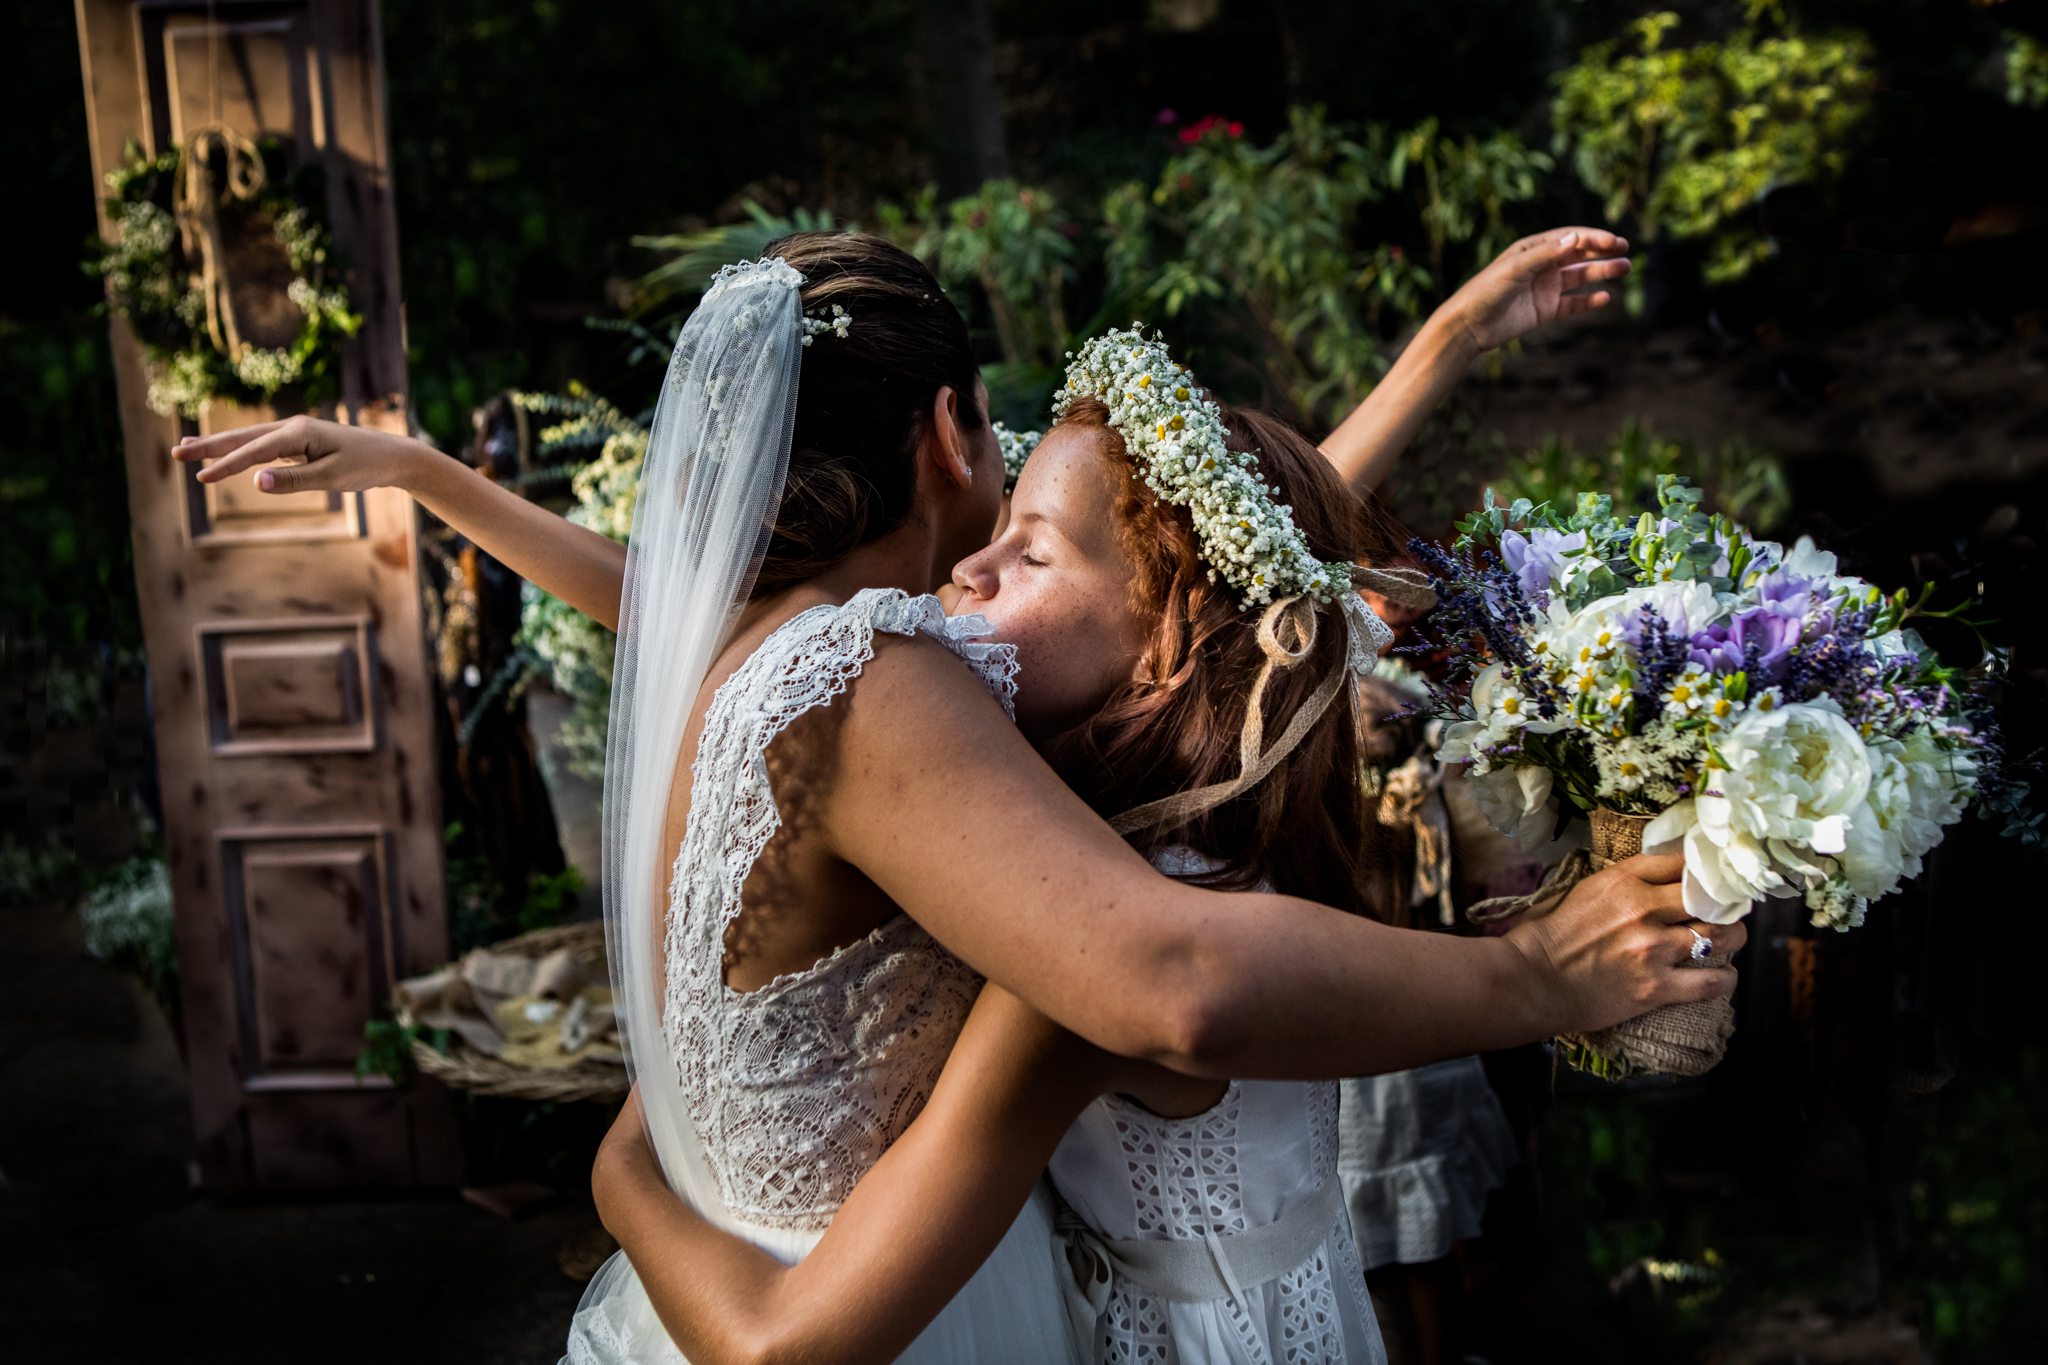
x,y
1289,186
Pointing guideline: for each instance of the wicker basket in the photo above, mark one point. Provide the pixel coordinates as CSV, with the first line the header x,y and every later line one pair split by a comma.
x,y
465,1068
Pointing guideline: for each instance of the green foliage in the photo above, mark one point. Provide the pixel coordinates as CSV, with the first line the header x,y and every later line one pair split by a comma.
x,y
1603,1163
1740,479
1285,237
128,923
2009,801
697,256
548,895
31,876
473,892
1971,1224
530,140
1014,242
2026,71
65,559
387,1049
1686,139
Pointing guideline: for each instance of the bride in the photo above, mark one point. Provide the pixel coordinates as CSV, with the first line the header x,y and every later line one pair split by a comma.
x,y
776,915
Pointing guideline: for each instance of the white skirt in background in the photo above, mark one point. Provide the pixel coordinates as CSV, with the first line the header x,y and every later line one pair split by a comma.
x,y
1418,1152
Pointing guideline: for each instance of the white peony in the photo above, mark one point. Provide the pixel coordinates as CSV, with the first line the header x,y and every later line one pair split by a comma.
x,y
1517,801
1916,787
1795,779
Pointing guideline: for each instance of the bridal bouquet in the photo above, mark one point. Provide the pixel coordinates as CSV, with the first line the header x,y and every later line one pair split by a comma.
x,y
1770,715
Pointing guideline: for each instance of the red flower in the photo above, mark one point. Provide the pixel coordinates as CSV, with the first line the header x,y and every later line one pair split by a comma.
x,y
1396,252
1236,129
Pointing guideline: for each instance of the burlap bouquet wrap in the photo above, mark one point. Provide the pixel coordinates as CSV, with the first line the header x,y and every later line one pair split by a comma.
x,y
1672,1040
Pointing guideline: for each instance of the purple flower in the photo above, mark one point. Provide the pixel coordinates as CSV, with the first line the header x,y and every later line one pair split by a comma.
x,y
1538,558
1759,638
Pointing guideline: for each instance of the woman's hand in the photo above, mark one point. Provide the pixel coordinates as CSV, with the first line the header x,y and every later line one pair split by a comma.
x,y
1620,943
304,454
316,455
1538,280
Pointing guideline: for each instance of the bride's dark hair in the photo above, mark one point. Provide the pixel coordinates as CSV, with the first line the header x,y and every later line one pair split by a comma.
x,y
863,400
1308,829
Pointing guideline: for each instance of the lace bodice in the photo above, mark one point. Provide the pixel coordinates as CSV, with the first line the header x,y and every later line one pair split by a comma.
x,y
798,1088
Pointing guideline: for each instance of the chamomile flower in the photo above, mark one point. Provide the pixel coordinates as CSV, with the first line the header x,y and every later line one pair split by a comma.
x,y
1688,694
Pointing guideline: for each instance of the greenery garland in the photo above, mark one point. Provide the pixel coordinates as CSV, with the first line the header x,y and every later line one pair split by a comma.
x,y
164,273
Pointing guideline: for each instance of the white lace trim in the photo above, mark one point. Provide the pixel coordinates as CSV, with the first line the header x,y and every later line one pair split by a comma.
x,y
742,274
798,1088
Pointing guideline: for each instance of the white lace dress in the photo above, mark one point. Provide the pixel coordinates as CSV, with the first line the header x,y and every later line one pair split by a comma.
x,y
1263,1156
796,1089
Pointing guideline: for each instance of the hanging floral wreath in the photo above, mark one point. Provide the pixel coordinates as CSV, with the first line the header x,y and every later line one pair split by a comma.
x,y
224,275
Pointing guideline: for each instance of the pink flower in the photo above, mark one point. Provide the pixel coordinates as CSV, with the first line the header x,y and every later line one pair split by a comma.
x,y
1167,118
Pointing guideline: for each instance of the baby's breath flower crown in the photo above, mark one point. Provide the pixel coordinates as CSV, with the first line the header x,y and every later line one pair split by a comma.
x,y
1176,435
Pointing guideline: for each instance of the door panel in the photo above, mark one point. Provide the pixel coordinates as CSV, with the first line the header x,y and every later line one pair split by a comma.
x,y
293,707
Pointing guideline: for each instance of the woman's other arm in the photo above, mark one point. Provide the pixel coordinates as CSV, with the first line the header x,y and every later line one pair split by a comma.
x,y
947,809
1537,280
915,1229
583,568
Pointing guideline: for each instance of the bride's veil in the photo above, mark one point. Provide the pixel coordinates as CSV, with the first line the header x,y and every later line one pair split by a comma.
x,y
710,487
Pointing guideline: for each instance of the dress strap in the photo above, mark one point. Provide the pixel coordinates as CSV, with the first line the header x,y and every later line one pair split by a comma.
x,y
899,613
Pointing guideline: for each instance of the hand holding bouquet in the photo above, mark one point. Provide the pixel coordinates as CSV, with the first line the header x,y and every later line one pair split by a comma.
x,y
1770,716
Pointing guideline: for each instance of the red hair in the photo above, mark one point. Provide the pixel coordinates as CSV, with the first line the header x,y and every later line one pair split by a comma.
x,y
1307,829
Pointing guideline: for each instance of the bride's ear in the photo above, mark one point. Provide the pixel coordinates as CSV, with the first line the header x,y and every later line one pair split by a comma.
x,y
946,443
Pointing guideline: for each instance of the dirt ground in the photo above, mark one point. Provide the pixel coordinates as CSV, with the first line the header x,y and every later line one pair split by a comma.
x,y
107,1256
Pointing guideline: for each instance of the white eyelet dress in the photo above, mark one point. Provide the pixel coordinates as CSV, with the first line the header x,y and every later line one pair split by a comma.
x,y
1246,1198
796,1089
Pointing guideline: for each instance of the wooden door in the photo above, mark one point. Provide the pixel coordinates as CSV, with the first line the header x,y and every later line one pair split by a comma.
x,y
293,708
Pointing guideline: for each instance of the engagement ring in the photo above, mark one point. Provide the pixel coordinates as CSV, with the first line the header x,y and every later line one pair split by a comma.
x,y
1702,946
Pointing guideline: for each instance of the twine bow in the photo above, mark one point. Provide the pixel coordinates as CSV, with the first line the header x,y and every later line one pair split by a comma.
x,y
1254,762
199,222
1409,587
1557,884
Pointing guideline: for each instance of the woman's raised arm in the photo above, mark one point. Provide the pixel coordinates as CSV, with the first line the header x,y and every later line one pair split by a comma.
x,y
1537,280
583,568
949,811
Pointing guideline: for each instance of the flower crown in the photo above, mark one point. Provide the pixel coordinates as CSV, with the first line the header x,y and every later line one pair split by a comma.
x,y
1176,434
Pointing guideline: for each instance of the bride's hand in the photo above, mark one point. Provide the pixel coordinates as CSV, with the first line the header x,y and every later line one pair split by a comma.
x,y
310,455
1538,280
1615,945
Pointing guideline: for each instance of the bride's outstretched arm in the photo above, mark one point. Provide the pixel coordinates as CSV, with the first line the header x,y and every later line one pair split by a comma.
x,y
914,1230
1539,279
947,809
583,568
